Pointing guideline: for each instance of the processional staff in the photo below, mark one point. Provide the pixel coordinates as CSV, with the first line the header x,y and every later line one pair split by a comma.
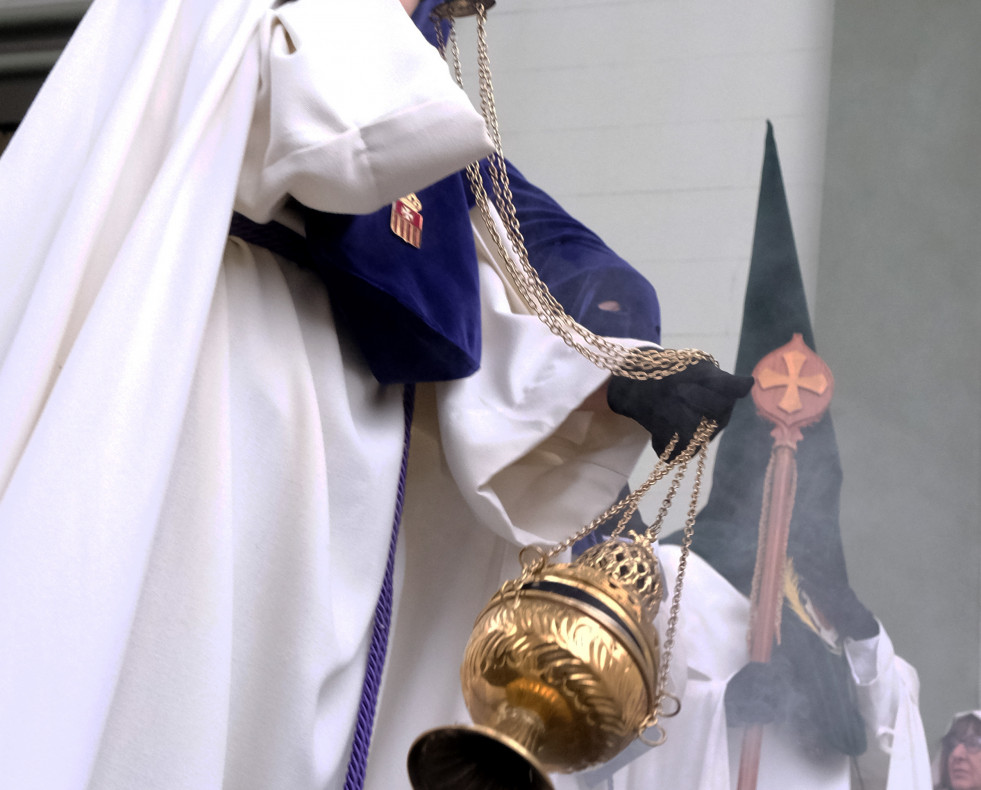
x,y
793,389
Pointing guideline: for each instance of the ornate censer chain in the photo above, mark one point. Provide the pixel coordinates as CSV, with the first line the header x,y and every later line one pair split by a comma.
x,y
534,558
672,627
639,364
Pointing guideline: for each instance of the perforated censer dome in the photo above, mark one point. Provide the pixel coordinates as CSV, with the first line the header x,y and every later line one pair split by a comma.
x,y
565,670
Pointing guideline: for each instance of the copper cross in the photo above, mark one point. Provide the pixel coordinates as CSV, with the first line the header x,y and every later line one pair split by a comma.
x,y
793,381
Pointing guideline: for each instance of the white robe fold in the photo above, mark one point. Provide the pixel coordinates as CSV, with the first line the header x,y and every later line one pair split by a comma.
x,y
197,471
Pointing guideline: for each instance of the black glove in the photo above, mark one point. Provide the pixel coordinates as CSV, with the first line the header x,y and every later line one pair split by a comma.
x,y
827,587
676,404
852,618
760,693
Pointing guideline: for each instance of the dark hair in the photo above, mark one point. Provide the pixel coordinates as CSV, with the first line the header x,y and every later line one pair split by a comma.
x,y
968,724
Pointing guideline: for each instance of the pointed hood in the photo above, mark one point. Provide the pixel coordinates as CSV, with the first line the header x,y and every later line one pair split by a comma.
x,y
820,705
775,308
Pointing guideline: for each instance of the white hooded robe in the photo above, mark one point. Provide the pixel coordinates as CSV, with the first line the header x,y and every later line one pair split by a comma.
x,y
197,471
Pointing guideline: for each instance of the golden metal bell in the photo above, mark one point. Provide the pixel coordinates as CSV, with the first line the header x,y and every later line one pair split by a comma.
x,y
560,673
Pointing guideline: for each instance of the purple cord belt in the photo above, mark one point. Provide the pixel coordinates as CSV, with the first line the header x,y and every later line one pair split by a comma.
x,y
379,636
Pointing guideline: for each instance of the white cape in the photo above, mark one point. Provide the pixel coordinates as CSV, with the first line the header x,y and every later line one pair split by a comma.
x,y
197,475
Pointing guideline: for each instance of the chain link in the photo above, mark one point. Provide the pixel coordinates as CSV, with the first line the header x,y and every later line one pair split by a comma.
x,y
688,534
640,364
633,363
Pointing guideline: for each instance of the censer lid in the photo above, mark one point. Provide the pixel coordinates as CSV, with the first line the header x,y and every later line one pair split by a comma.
x,y
630,566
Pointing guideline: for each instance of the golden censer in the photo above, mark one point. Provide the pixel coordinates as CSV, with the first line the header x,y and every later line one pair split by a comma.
x,y
564,668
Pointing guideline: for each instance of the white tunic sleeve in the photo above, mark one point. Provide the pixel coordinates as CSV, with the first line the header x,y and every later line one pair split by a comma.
x,y
887,690
355,109
532,465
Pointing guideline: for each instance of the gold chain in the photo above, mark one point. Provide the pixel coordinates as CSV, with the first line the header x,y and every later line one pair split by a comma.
x,y
702,436
640,364
683,564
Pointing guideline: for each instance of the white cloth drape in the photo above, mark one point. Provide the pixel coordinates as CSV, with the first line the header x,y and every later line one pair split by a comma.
x,y
197,472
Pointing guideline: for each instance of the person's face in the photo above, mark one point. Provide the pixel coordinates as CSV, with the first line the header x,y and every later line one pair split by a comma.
x,y
410,6
964,763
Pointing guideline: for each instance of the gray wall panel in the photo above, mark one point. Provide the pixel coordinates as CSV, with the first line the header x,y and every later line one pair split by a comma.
x,y
898,315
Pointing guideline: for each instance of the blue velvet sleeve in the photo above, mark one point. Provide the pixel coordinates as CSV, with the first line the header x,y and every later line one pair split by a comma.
x,y
578,268
595,285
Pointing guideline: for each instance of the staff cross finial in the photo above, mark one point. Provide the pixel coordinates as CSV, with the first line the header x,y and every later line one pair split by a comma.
x,y
793,381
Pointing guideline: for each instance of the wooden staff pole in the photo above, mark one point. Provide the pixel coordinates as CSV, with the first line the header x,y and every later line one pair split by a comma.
x,y
793,390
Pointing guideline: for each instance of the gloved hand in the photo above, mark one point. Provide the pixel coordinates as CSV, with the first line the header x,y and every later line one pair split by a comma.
x,y
827,586
851,617
677,403
760,693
